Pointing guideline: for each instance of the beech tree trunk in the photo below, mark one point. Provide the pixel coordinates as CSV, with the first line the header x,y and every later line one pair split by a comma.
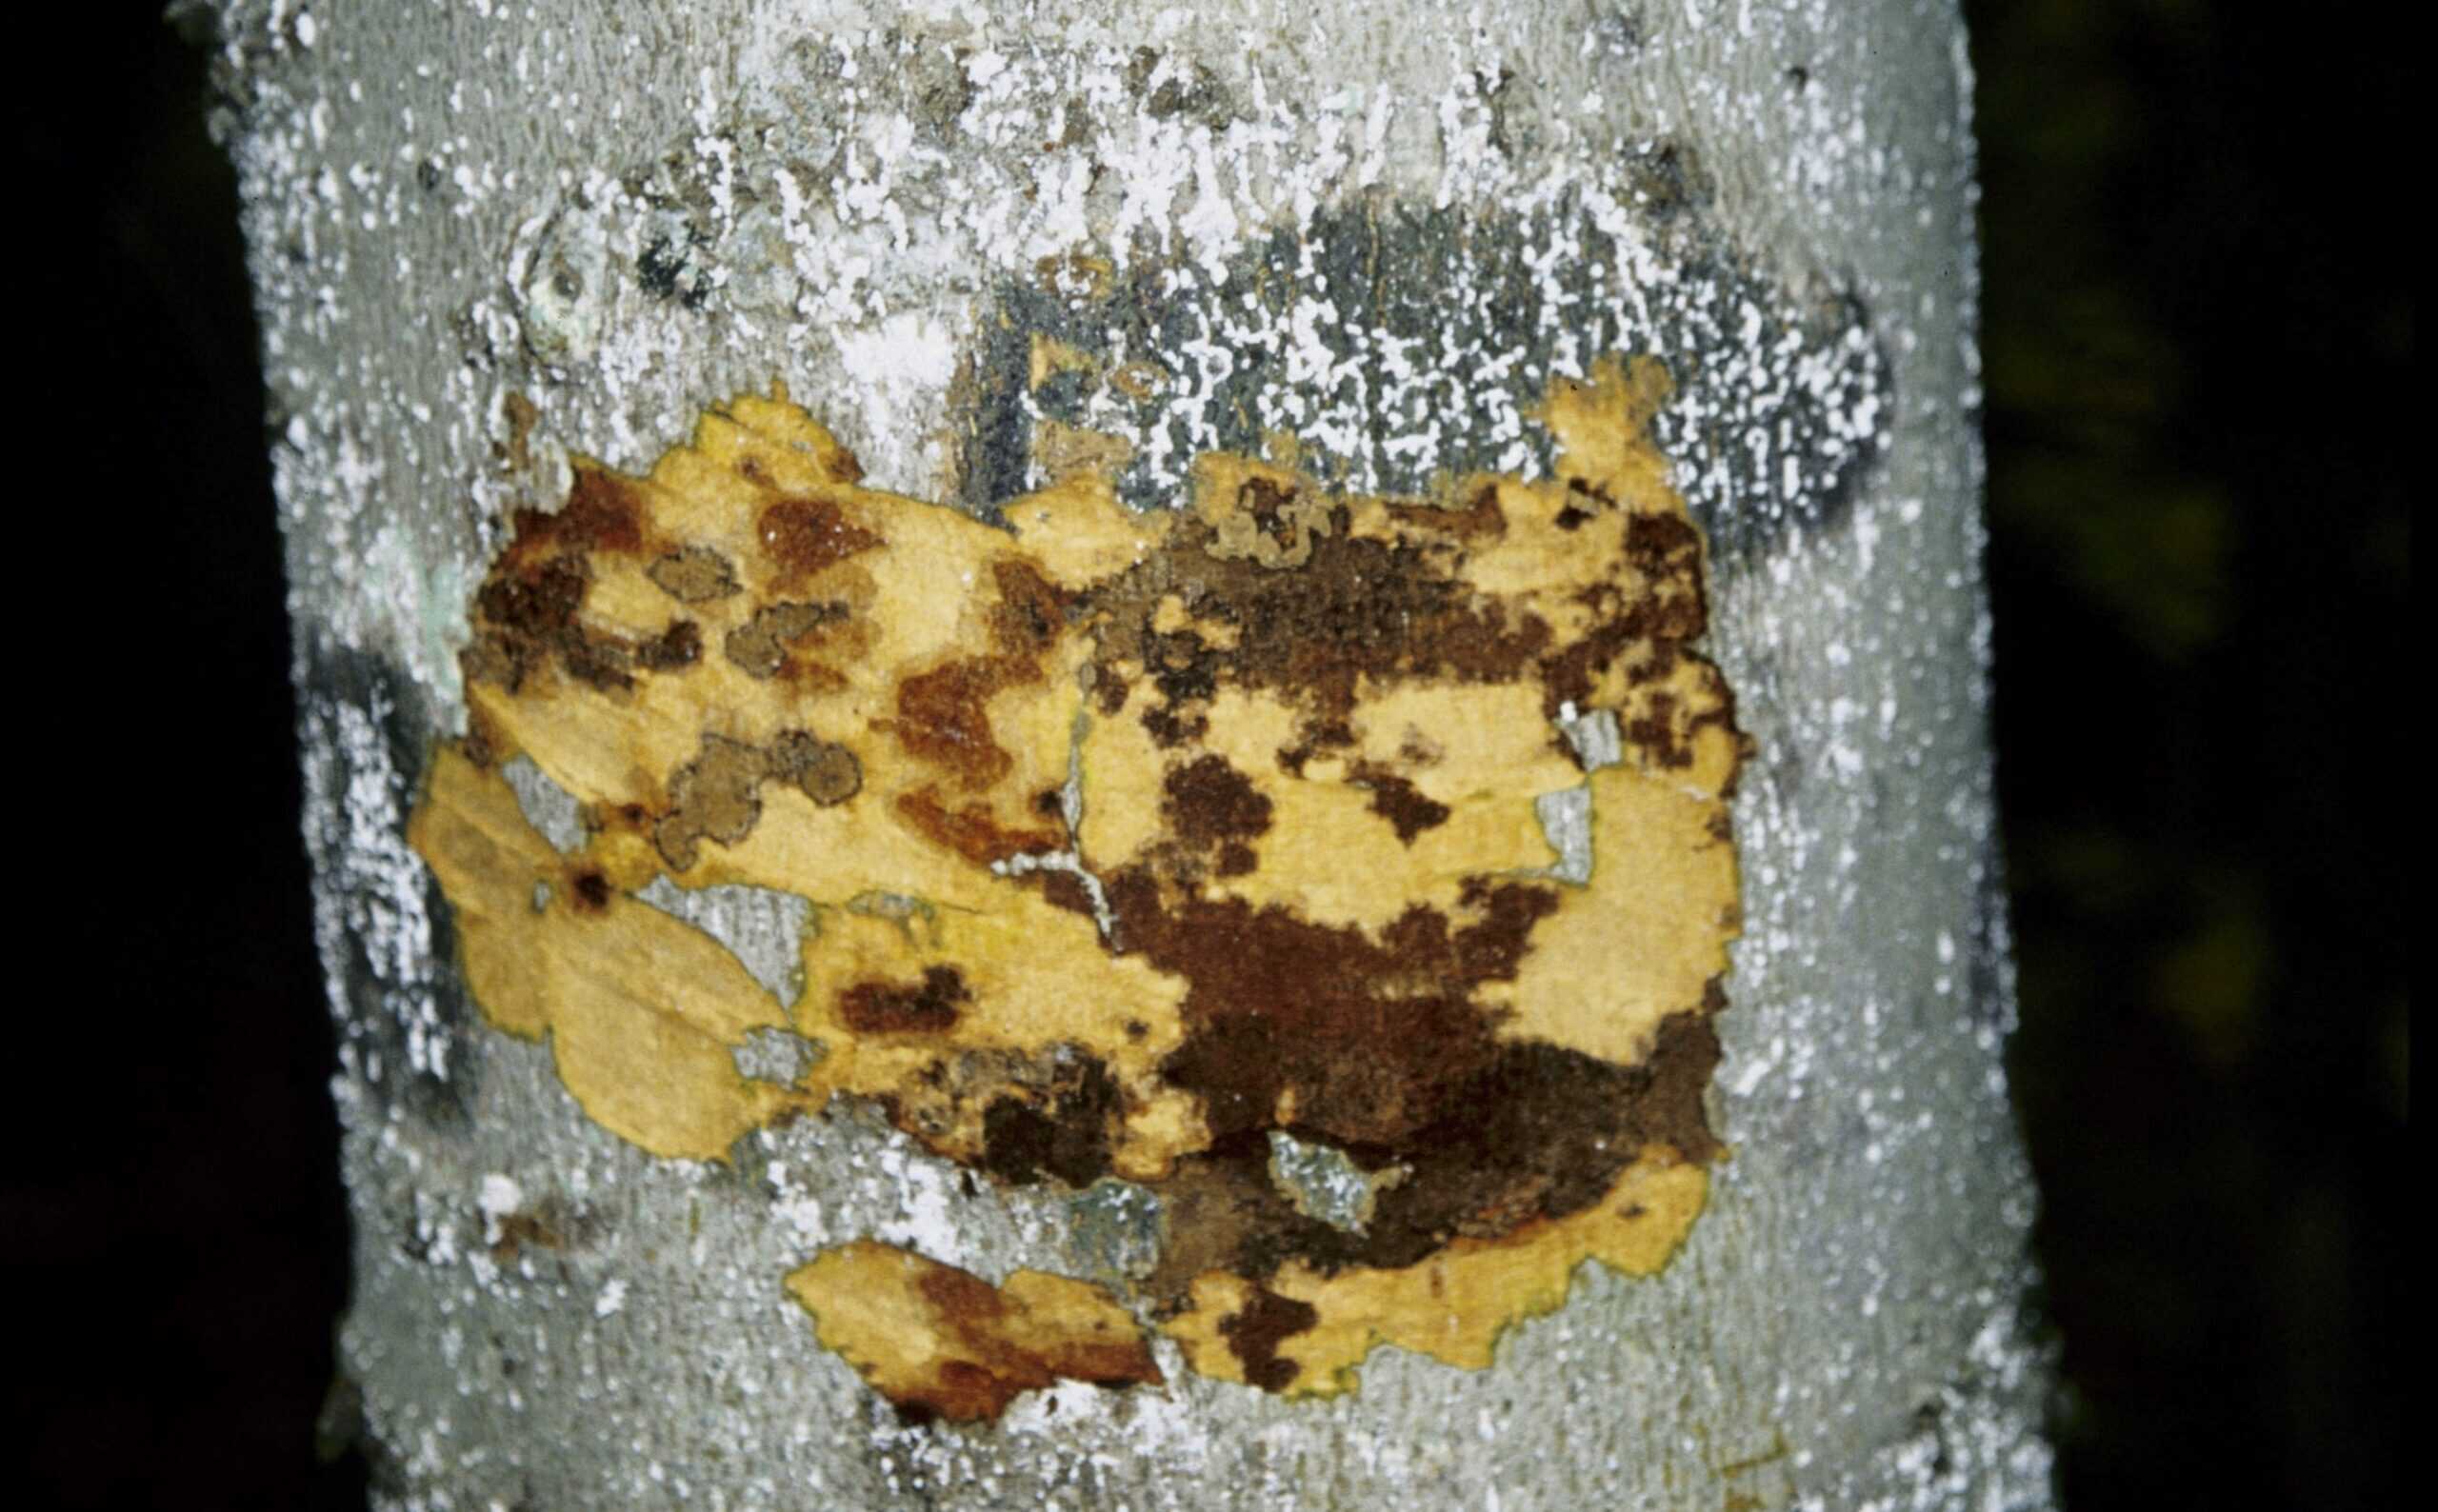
x,y
992,248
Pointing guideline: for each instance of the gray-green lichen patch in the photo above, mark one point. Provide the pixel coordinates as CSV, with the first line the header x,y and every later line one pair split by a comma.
x,y
549,807
776,1056
1594,736
1566,815
763,927
1325,1183
1113,1231
1566,818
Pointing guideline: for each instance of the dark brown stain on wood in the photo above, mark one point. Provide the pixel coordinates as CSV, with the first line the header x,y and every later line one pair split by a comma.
x,y
970,829
1065,1135
808,536
1254,1330
1214,808
929,1006
1396,799
1004,1364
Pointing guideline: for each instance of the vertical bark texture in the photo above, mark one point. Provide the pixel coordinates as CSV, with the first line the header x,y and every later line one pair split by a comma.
x,y
487,235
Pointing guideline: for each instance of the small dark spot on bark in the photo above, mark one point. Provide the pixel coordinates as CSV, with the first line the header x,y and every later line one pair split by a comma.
x,y
1671,179
1660,543
1199,93
938,80
590,890
1271,507
665,269
1075,125
481,743
522,417
517,1230
1169,729
597,663
538,601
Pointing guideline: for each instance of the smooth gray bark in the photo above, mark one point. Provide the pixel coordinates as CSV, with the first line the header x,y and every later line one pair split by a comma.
x,y
626,212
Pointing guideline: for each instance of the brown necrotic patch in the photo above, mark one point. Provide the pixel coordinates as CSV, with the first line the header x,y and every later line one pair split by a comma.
x,y
1479,519
1534,1133
1381,1048
526,620
1254,1330
1214,808
944,1343
929,1006
528,612
1063,1129
1022,1118
673,649
1350,609
1406,808
1031,611
971,829
944,716
1361,1041
602,513
806,536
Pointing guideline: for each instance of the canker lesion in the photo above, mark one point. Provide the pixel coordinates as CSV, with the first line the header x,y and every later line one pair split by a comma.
x,y
1226,821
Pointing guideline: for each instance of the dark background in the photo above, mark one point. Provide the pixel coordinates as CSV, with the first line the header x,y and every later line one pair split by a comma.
x,y
2198,338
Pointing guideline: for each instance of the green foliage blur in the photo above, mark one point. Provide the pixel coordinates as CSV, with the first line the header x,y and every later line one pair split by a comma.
x,y
2197,341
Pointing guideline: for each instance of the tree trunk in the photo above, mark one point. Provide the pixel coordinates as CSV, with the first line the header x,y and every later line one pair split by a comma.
x,y
1166,879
